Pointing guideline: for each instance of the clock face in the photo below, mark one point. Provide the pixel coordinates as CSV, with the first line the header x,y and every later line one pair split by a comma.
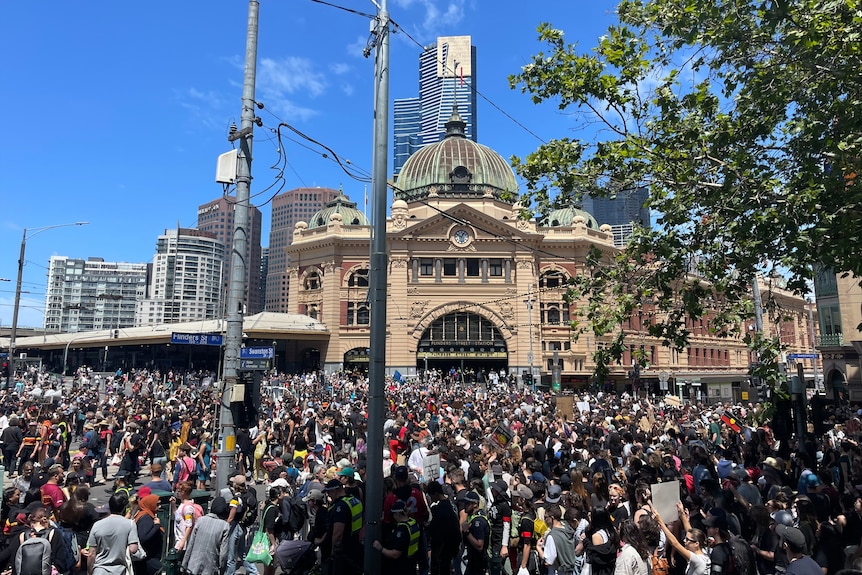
x,y
461,237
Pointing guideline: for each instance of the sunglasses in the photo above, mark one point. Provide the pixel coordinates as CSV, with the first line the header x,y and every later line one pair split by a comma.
x,y
687,540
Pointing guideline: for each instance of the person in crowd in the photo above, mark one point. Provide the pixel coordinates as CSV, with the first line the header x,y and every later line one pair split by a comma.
x,y
151,535
184,517
209,543
477,534
11,439
794,544
634,552
693,547
557,548
111,540
346,529
400,554
443,530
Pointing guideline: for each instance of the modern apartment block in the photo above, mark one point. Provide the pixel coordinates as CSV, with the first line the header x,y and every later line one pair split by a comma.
x,y
216,217
92,294
447,73
288,208
186,279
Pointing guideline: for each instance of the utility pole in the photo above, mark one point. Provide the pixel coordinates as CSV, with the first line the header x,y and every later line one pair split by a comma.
x,y
814,345
238,266
378,280
529,302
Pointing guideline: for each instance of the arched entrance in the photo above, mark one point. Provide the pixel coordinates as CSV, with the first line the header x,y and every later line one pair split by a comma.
x,y
838,384
464,341
357,359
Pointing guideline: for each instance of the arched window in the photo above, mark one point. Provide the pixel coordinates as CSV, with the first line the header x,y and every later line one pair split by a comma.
x,y
358,313
312,281
312,311
358,278
551,279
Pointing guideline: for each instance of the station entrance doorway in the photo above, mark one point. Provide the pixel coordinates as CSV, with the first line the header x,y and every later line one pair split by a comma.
x,y
465,342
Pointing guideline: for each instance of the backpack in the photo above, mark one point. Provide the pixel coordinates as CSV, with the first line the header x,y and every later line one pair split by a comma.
x,y
69,553
741,557
33,556
249,512
294,513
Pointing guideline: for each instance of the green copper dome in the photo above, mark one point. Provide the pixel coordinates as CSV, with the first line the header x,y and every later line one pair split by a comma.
x,y
455,167
342,206
565,217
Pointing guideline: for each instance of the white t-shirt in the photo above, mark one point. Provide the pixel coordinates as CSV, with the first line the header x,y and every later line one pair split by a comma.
x,y
698,564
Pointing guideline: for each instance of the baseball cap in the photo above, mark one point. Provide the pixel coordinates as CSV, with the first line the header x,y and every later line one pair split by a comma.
x,y
791,535
554,493
523,492
333,484
315,494
318,448
346,472
497,470
811,480
538,477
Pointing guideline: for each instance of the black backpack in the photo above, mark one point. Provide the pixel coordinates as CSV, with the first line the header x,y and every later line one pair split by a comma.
x,y
742,560
249,512
294,513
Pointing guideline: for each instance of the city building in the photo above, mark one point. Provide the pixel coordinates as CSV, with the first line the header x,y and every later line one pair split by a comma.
x,y
447,75
623,211
92,294
186,279
473,286
839,310
288,208
216,217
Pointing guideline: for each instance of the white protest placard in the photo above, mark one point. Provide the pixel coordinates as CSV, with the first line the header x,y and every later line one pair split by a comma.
x,y
665,496
431,467
583,406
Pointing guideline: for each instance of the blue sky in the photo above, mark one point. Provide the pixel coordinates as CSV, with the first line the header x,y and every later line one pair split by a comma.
x,y
115,112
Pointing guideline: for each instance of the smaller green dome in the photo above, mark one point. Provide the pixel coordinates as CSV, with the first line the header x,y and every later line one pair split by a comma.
x,y
565,217
342,206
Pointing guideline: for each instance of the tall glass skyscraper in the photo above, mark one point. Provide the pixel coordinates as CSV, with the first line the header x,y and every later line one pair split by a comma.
x,y
447,73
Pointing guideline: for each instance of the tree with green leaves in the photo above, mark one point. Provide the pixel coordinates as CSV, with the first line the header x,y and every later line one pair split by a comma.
x,y
743,120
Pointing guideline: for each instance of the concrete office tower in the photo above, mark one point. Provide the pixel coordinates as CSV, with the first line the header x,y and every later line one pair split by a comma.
x,y
186,279
216,217
92,294
288,208
447,72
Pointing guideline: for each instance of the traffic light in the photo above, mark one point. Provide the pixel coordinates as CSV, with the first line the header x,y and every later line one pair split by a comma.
x,y
763,392
7,372
527,377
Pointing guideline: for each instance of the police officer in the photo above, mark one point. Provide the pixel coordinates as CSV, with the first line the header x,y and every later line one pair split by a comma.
x,y
476,532
346,529
500,518
401,553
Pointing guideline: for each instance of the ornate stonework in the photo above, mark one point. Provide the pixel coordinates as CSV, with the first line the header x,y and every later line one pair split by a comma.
x,y
398,263
417,308
507,311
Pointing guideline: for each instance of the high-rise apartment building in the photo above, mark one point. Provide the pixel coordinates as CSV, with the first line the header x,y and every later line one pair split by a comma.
x,y
622,212
216,217
447,74
92,294
186,279
288,208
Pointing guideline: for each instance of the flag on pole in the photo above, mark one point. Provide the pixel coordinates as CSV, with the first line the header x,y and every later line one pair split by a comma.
x,y
462,76
398,377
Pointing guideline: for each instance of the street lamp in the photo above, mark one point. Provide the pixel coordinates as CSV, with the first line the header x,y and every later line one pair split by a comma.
x,y
529,301
33,232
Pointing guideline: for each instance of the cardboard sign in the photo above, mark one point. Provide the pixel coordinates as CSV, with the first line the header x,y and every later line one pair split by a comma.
x,y
431,467
583,406
672,401
501,437
664,499
565,408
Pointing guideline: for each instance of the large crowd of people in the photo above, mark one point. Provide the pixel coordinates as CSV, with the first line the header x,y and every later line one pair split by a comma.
x,y
480,476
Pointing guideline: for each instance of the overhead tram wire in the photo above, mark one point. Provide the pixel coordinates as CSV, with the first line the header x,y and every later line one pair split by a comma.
x,y
399,28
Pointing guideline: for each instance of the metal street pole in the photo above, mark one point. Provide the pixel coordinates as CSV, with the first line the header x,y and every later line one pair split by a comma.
x,y
377,295
238,268
529,302
14,331
814,346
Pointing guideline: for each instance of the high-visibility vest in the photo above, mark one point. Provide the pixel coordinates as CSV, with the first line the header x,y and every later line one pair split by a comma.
x,y
470,519
413,529
355,513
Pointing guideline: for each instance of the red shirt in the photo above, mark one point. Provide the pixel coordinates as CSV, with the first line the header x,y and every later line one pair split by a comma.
x,y
52,496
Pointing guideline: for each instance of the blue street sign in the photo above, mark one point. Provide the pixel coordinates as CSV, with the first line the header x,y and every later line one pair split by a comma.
x,y
802,356
196,339
256,353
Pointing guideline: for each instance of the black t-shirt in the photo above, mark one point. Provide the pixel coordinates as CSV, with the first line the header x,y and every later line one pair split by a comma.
x,y
340,513
500,516
271,520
